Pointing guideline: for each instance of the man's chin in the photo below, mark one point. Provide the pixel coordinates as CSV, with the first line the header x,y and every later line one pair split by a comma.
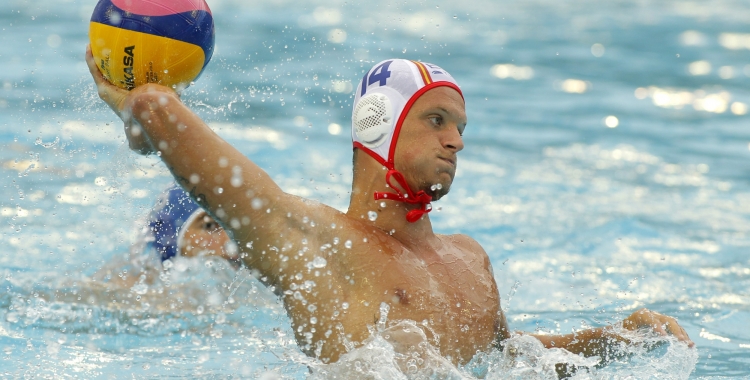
x,y
438,191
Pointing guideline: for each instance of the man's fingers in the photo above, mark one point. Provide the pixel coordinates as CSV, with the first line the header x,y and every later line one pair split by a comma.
x,y
660,324
101,82
679,332
111,94
669,325
96,74
91,63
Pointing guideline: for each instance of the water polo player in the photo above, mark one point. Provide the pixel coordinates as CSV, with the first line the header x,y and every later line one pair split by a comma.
x,y
339,273
175,227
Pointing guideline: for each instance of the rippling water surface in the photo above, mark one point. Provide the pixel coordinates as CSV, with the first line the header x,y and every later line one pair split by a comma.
x,y
605,170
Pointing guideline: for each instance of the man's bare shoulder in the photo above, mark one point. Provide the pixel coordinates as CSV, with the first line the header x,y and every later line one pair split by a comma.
x,y
465,242
469,247
322,224
308,214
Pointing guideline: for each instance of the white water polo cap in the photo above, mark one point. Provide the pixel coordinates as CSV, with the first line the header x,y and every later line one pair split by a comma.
x,y
382,100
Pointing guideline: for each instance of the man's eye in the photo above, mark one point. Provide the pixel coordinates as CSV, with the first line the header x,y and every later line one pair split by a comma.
x,y
436,120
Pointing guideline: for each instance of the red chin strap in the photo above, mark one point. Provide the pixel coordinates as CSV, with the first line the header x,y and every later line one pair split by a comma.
x,y
421,198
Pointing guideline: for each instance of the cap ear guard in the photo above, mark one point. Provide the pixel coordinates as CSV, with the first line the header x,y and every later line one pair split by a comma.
x,y
373,119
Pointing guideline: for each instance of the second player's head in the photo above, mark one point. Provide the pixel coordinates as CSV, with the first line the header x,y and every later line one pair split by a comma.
x,y
178,226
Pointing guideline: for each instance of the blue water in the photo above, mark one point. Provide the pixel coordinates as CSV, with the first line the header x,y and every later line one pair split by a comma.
x,y
604,170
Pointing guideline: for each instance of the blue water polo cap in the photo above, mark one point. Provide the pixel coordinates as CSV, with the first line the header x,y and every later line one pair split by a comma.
x,y
170,213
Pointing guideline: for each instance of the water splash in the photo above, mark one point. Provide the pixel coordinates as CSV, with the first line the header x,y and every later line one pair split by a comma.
x,y
403,351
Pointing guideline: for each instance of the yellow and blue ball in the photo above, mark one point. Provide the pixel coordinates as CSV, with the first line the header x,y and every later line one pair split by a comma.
x,y
135,42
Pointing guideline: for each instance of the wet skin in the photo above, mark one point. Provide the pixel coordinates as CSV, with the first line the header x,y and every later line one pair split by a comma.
x,y
205,237
333,270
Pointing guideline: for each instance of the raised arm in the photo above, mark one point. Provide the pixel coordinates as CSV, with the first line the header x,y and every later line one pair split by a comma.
x,y
234,190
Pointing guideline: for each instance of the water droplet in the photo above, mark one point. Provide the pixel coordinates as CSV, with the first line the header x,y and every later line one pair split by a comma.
x,y
382,204
384,309
372,215
236,180
345,305
319,262
348,244
313,320
221,318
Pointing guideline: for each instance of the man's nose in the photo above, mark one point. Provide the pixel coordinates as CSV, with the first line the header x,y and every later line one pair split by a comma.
x,y
453,141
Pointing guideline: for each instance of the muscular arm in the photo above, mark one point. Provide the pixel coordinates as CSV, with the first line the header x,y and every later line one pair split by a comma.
x,y
592,342
234,190
600,341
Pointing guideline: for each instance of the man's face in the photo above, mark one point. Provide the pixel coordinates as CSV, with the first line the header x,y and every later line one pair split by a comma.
x,y
430,138
205,237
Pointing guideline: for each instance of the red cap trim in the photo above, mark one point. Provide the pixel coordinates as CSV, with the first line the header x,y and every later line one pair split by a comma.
x,y
421,198
372,154
405,111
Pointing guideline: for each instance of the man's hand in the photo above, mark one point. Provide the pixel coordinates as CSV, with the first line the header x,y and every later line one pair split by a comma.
x,y
111,94
659,323
121,101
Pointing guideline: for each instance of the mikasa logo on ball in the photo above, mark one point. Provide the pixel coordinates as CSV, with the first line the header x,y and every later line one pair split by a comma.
x,y
373,118
127,60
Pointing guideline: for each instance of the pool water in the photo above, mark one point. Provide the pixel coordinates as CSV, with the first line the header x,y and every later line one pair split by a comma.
x,y
605,170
